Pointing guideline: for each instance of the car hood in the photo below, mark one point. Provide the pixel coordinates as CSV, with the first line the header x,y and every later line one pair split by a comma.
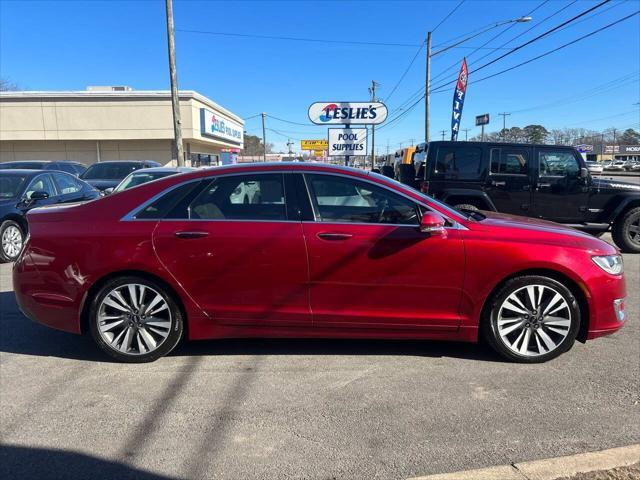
x,y
535,230
614,186
103,184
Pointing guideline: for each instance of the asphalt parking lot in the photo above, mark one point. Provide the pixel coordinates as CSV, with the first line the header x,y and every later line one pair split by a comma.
x,y
254,409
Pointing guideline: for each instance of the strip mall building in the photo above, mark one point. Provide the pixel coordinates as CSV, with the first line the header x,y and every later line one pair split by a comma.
x,y
114,123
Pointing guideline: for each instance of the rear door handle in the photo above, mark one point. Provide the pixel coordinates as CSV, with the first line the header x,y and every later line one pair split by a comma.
x,y
189,235
498,184
334,236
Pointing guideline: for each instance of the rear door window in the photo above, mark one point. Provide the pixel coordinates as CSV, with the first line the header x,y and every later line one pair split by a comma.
x,y
66,183
242,197
458,163
510,161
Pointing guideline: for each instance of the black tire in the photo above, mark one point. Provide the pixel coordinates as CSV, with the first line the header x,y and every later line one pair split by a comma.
x,y
10,226
626,231
176,328
466,206
489,321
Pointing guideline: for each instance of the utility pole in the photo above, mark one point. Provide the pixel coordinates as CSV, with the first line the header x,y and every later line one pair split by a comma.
x,y
264,138
289,143
413,140
466,133
175,99
427,91
443,132
504,124
372,91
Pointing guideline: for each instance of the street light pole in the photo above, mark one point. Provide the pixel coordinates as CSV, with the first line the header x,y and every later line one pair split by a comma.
x,y
427,91
175,99
264,138
427,82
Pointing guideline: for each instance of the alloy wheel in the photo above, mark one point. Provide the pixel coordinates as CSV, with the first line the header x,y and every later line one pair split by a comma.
x,y
12,241
634,229
134,319
534,320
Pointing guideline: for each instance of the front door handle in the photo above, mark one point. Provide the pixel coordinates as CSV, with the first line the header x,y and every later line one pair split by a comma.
x,y
544,185
498,184
189,235
334,236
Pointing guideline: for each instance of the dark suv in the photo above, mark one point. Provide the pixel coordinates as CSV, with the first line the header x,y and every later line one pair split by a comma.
x,y
543,181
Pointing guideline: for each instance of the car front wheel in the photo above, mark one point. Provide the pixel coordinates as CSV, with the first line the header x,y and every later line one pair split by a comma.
x,y
135,320
532,319
12,238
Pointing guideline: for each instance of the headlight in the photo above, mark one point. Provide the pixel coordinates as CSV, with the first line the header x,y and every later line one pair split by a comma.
x,y
610,263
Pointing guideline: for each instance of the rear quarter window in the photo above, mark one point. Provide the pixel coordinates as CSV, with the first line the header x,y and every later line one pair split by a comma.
x,y
458,163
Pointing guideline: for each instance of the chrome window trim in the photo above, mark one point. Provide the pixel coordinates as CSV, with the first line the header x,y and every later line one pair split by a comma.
x,y
130,216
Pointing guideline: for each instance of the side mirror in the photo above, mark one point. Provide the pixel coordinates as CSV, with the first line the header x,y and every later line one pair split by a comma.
x,y
584,172
433,224
39,195
107,191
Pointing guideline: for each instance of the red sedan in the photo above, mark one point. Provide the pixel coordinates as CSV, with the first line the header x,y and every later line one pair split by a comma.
x,y
299,250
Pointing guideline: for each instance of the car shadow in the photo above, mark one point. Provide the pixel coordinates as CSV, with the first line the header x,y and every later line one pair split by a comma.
x,y
29,462
20,335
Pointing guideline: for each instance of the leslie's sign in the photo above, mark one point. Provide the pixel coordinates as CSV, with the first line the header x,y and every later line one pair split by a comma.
x,y
215,125
345,113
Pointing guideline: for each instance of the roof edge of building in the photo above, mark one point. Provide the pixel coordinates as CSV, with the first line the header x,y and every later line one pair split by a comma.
x,y
184,94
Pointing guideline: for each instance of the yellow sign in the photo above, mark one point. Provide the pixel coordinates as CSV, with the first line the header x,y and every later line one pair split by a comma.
x,y
322,144
318,153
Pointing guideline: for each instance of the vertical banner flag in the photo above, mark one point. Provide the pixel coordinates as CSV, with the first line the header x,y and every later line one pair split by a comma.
x,y
458,100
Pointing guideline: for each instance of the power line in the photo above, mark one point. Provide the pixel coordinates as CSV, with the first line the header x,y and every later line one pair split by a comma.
x,y
289,121
405,72
448,15
549,52
529,42
454,65
297,39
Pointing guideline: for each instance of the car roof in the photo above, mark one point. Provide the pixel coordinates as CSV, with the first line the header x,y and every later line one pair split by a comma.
x,y
124,162
22,172
508,144
164,170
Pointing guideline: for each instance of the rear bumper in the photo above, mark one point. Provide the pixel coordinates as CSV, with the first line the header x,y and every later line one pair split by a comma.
x,y
44,300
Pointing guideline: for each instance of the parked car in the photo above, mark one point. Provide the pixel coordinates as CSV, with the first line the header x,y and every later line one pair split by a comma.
x,y
22,190
550,182
74,168
325,252
103,175
142,176
617,166
594,166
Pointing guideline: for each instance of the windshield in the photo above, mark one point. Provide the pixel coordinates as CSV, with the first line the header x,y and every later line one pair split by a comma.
x,y
11,185
138,178
109,171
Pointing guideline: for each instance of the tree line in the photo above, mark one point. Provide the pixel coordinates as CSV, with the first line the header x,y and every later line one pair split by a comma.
x,y
562,136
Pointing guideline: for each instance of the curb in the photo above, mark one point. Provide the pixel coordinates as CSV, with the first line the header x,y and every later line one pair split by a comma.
x,y
551,468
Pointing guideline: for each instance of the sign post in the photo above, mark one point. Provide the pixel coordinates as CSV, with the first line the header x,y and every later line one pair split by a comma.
x,y
347,141
482,120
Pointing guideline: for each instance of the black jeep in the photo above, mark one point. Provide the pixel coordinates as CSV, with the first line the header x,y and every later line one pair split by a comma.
x,y
544,181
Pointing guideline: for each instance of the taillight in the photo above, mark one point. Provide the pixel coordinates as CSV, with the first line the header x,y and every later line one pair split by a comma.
x,y
424,187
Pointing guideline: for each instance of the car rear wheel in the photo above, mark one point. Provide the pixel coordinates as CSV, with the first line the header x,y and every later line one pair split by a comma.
x,y
532,319
626,231
135,320
12,238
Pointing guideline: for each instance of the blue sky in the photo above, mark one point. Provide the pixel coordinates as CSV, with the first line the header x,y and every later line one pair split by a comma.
x,y
66,45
